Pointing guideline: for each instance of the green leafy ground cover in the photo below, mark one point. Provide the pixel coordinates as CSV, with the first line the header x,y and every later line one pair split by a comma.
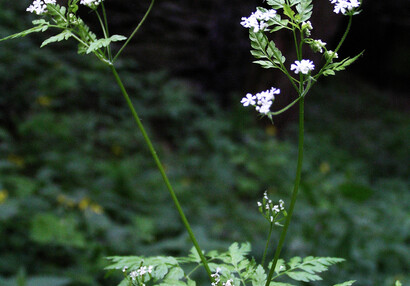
x,y
77,183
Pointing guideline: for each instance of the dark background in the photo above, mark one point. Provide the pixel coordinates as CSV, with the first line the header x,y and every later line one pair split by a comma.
x,y
77,183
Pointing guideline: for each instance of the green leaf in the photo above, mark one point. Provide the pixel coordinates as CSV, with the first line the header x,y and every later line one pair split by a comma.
x,y
398,283
288,11
304,9
237,253
104,43
303,276
175,273
119,262
349,283
40,28
265,50
339,66
259,277
64,35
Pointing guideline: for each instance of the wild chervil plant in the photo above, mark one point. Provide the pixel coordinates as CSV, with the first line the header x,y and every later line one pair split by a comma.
x,y
232,267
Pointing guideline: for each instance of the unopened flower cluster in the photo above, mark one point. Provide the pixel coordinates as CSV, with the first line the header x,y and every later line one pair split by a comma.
x,y
217,279
258,20
262,100
343,6
269,210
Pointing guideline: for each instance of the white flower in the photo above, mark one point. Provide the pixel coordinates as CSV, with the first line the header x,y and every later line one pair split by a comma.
x,y
262,100
133,275
259,204
248,100
342,6
91,3
258,20
228,283
303,66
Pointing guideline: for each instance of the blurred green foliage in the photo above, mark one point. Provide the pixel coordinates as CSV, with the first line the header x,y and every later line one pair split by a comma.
x,y
77,183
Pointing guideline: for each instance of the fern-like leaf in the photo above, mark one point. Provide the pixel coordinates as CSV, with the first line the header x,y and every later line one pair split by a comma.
x,y
304,9
64,35
104,43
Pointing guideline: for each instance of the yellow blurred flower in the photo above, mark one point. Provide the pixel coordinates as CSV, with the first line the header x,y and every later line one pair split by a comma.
x,y
66,201
324,167
16,160
84,203
116,150
3,196
44,101
96,208
271,130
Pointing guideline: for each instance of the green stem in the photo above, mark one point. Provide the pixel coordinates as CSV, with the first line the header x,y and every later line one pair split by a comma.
x,y
294,193
135,30
337,48
267,245
161,169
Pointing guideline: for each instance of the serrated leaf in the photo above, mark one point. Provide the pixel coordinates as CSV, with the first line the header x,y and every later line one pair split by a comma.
x,y
265,64
288,11
304,9
41,28
64,35
119,262
175,273
104,43
295,261
160,271
348,283
237,254
303,276
339,66
259,276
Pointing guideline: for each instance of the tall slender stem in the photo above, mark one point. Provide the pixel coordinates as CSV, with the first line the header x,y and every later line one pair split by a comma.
x,y
267,245
294,193
135,30
162,171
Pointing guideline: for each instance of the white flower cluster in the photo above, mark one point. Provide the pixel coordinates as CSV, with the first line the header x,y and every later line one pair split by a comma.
x,y
39,7
140,272
303,66
342,6
217,279
258,19
262,100
91,3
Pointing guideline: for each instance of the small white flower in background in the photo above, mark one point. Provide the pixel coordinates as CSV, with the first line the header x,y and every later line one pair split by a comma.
x,y
258,20
91,3
134,275
259,204
125,269
216,277
39,7
303,66
228,283
262,100
342,6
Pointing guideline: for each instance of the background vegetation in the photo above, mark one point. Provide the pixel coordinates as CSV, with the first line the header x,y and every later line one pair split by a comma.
x,y
77,183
